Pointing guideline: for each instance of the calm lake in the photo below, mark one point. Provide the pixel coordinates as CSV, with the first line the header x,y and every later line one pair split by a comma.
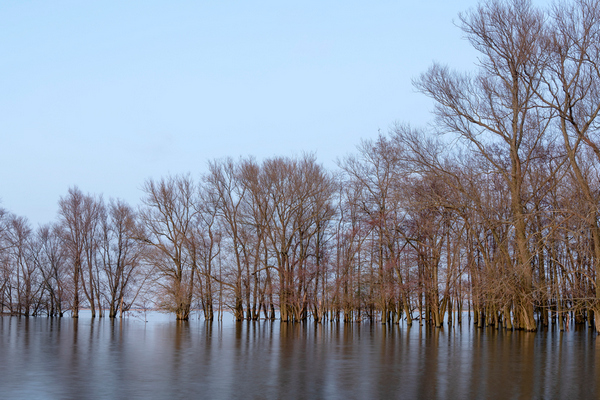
x,y
46,358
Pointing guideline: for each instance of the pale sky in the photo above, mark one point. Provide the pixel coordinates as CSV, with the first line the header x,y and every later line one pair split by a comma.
x,y
104,95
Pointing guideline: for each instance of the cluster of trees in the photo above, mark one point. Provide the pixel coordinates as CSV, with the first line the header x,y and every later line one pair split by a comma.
x,y
89,256
494,208
526,123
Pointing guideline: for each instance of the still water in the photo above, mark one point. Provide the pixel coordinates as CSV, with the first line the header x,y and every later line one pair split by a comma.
x,y
44,358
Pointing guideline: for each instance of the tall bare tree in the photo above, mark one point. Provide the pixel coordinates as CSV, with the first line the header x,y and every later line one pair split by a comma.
x,y
168,216
495,112
120,256
226,192
571,87
78,216
51,259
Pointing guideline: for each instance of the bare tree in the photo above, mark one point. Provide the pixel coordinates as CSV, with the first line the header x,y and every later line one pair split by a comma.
x,y
51,260
495,113
78,216
120,255
297,196
168,216
571,87
225,191
205,248
26,284
256,219
378,173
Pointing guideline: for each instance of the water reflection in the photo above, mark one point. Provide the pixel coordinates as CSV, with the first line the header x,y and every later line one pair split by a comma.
x,y
65,358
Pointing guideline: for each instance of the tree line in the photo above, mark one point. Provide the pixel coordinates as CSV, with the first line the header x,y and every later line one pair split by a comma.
x,y
492,209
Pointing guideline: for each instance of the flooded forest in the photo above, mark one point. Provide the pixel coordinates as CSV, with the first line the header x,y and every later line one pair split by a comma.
x,y
492,209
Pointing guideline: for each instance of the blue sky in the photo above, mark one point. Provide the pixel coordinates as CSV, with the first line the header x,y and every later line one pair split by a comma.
x,y
105,95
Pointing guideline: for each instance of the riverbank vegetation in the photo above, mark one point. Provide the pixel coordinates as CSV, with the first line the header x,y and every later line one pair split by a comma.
x,y
492,209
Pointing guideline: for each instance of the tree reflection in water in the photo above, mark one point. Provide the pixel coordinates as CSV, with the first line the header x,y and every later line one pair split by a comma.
x,y
70,358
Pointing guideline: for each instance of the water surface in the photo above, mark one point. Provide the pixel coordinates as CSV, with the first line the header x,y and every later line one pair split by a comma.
x,y
43,358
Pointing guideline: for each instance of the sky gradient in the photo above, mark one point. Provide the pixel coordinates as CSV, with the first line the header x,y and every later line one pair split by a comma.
x,y
105,95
